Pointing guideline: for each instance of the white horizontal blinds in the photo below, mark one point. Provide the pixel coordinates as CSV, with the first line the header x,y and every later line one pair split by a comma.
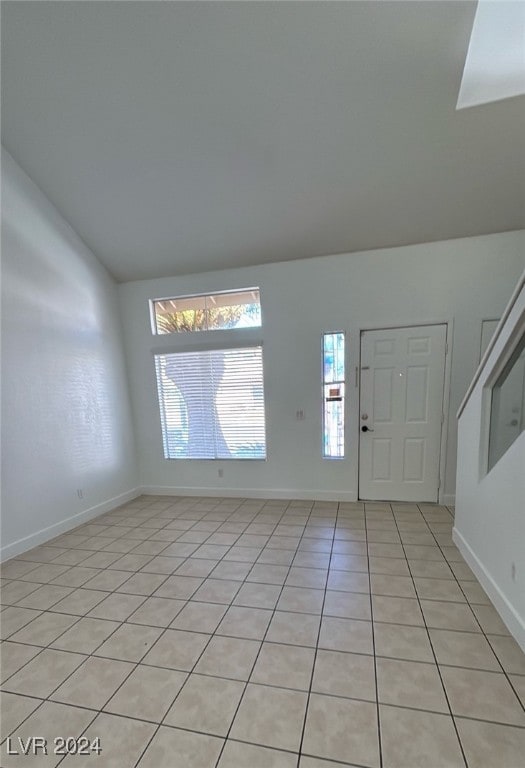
x,y
212,404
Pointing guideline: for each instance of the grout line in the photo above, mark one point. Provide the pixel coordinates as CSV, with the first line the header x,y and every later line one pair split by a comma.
x,y
378,714
316,649
437,667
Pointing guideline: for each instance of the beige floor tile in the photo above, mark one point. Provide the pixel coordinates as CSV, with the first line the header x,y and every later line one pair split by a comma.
x,y
392,586
397,610
44,673
142,583
344,674
410,684
85,636
463,649
199,617
518,682
384,550
287,666
44,597
482,695
100,560
45,573
301,600
14,710
446,615
13,591
147,693
258,595
431,569
15,569
217,591
462,572
312,560
179,587
314,578
412,739
268,574
116,607
474,593
75,577
162,564
206,704
270,717
342,729
229,570
228,657
490,620
177,649
346,635
174,748
44,629
488,745
347,605
243,554
249,623
438,589
392,566
130,642
93,683
48,721
402,642
79,602
196,567
13,656
349,563
348,581
239,755
130,562
317,762
294,628
157,612
121,738
417,552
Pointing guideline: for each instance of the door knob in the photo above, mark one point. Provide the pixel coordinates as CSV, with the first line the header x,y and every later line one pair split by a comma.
x,y
364,428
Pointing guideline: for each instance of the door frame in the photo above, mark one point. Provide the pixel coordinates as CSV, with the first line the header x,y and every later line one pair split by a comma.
x,y
354,420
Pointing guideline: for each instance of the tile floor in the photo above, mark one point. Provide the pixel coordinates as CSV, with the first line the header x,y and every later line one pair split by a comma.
x,y
231,633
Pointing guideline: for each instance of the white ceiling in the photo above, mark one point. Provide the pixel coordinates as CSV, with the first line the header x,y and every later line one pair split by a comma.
x,y
181,137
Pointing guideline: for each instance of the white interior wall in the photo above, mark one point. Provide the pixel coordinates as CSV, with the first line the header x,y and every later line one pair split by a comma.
x,y
66,421
459,282
490,520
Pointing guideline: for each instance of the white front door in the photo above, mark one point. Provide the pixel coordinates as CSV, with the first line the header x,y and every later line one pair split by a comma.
x,y
401,401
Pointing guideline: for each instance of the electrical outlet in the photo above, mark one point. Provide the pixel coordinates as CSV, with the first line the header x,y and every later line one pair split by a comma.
x,y
80,493
299,415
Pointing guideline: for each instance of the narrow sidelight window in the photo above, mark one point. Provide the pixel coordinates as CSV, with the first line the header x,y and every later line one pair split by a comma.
x,y
334,395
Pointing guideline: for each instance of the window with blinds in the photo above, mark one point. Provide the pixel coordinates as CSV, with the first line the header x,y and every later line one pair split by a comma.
x,y
212,404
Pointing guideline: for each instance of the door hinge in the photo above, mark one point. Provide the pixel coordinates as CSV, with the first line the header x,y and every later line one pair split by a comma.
x,y
442,418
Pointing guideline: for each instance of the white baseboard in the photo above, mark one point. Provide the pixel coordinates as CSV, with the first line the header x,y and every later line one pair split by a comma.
x,y
249,493
513,621
46,534
449,499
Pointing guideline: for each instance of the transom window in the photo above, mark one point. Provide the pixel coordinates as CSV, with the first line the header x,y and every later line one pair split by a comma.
x,y
228,309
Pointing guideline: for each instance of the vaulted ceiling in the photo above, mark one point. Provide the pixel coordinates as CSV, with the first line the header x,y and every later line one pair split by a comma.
x,y
182,137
